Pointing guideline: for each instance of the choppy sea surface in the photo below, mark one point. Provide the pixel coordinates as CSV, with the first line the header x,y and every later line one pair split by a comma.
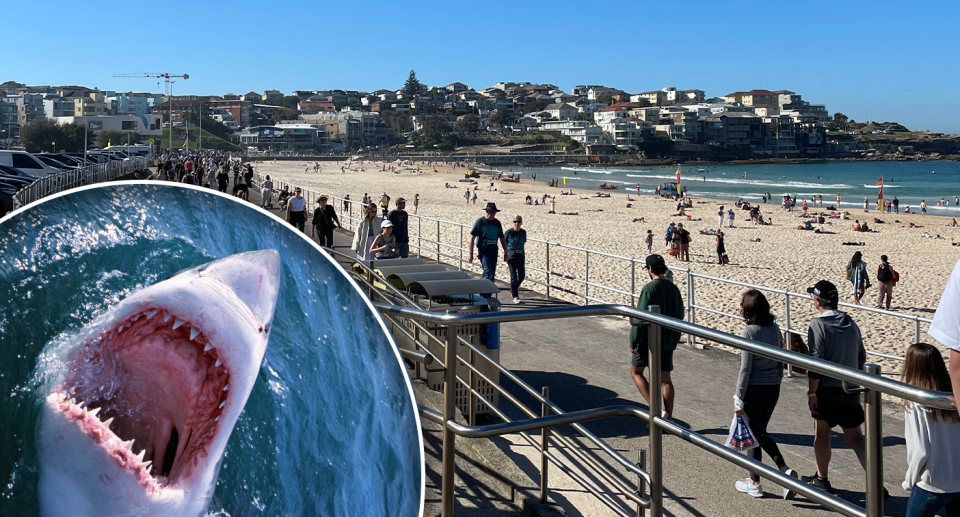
x,y
330,427
910,182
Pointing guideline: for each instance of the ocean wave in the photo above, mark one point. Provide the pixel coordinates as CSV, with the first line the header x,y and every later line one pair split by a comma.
x,y
885,186
756,183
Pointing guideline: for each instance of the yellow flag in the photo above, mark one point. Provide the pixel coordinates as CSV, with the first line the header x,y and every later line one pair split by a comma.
x,y
564,180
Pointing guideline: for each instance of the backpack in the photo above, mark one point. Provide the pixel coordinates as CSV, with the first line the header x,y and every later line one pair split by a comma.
x,y
883,274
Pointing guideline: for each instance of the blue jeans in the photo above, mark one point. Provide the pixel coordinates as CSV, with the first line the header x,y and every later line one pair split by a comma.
x,y
927,504
518,271
489,262
404,249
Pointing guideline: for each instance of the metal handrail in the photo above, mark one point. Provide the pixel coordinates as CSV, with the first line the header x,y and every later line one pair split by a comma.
x,y
937,399
85,175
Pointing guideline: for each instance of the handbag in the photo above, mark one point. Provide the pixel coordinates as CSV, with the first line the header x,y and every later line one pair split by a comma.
x,y
849,272
726,259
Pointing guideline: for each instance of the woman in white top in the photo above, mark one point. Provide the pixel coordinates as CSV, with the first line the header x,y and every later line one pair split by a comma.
x,y
367,230
266,190
932,435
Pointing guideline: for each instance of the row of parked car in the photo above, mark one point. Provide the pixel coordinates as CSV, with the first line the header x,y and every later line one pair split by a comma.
x,y
20,168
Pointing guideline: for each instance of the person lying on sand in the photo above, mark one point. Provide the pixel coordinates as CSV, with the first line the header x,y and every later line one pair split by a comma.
x,y
928,236
755,240
638,220
912,225
569,213
708,232
854,244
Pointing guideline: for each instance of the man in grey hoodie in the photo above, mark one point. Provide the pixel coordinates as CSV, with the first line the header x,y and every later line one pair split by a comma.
x,y
834,337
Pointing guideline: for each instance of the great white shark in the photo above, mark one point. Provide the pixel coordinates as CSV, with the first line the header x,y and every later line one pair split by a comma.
x,y
141,419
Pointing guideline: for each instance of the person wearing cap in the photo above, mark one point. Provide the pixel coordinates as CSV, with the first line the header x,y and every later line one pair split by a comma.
x,y
516,261
486,233
398,216
324,220
297,210
946,326
384,245
833,336
384,204
662,292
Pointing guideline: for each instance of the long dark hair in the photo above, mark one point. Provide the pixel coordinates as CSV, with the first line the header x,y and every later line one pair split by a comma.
x,y
755,308
855,259
924,367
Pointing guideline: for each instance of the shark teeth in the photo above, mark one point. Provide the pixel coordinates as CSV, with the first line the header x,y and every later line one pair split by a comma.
x,y
166,316
107,422
94,412
224,403
207,348
145,465
135,318
194,332
219,362
141,455
150,314
177,323
226,387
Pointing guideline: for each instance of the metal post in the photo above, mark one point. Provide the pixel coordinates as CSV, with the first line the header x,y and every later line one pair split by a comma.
x,y
656,409
438,241
633,282
461,248
641,483
586,278
544,445
547,244
692,310
874,447
789,337
472,410
449,412
419,233
916,329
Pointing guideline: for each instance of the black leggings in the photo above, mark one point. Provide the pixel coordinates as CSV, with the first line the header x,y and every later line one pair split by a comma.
x,y
758,403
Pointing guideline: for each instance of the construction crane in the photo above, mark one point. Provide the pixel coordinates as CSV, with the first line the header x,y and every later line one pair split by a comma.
x,y
167,92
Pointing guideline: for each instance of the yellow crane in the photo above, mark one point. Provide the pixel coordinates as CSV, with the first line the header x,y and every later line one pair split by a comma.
x,y
167,91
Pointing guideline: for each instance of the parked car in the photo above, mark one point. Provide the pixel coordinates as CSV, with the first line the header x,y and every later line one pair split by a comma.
x,y
69,161
28,163
17,173
56,164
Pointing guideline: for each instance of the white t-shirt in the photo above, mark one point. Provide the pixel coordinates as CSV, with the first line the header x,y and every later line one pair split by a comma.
x,y
946,322
297,205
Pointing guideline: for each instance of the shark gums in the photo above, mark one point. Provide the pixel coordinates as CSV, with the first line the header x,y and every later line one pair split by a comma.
x,y
140,422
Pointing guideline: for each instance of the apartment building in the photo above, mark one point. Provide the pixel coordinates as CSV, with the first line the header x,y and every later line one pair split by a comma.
x,y
288,137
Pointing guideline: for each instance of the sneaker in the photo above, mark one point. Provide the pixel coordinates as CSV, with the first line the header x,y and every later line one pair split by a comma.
x,y
516,300
787,493
745,486
817,482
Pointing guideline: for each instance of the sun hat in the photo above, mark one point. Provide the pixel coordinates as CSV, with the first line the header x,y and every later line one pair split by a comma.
x,y
491,207
386,224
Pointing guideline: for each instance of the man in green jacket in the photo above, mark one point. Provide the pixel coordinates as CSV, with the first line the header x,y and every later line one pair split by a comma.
x,y
662,292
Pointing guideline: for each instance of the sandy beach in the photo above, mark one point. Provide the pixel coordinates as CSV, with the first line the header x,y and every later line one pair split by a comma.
x,y
784,257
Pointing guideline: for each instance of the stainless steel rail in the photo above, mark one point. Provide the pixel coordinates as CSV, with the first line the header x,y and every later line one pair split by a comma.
x,y
87,175
427,238
870,381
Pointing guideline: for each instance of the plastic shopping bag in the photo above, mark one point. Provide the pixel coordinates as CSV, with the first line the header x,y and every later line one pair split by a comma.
x,y
740,437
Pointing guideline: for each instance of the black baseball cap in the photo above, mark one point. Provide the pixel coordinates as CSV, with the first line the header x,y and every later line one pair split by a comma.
x,y
655,263
825,290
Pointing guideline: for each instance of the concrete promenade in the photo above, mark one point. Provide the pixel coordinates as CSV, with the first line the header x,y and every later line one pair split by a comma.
x,y
584,361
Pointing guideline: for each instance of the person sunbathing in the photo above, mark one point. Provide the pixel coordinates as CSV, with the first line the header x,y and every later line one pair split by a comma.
x,y
953,223
856,226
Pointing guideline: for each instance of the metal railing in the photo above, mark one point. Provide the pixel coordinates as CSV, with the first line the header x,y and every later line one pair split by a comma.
x,y
87,175
871,382
552,416
443,241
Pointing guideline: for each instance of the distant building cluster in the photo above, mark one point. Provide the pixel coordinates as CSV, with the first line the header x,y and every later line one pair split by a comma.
x,y
775,123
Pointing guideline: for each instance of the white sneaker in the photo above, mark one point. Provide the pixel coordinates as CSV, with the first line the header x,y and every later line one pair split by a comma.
x,y
748,488
787,493
516,300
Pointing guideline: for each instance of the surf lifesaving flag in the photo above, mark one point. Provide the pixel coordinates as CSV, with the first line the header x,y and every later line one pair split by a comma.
x,y
880,194
679,190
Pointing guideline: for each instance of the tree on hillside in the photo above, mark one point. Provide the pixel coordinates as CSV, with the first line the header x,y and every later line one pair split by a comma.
x,y
433,130
605,98
502,117
643,102
531,105
398,121
412,86
840,120
468,125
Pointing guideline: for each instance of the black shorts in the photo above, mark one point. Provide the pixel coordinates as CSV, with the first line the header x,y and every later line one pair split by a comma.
x,y
641,359
838,408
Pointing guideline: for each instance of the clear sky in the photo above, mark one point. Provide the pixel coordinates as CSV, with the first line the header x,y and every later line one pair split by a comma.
x,y
886,60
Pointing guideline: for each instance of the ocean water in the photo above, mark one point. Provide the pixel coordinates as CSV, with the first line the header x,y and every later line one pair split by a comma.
x,y
910,182
330,427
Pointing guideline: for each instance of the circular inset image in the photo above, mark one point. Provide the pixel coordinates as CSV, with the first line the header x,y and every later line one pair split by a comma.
x,y
167,350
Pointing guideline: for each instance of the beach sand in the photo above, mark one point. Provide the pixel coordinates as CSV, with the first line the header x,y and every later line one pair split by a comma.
x,y
785,257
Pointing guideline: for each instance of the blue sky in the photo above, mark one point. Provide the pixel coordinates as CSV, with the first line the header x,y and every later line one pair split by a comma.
x,y
888,61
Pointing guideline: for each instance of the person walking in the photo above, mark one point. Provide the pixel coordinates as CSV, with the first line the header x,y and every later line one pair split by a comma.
x,y
473,196
466,195
896,205
857,274
833,336
730,217
384,204
946,325
384,246
933,474
649,241
662,292
820,200
297,210
516,238
486,233
324,220
923,207
222,178
758,388
668,236
398,216
266,190
685,239
885,276
367,230
721,249
720,214
416,203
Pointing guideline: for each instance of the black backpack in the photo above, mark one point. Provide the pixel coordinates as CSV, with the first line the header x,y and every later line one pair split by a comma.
x,y
883,274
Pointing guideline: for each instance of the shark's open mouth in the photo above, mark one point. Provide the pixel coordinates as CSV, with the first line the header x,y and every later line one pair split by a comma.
x,y
149,389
